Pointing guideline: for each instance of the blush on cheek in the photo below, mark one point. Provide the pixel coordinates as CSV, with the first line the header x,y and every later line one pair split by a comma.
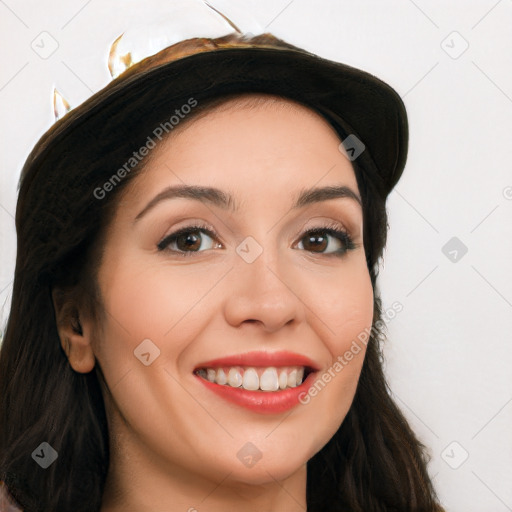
x,y
363,299
351,312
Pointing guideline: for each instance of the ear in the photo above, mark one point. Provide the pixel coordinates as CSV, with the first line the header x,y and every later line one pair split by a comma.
x,y
75,331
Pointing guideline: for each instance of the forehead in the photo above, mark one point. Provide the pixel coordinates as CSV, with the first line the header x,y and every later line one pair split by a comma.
x,y
253,143
249,103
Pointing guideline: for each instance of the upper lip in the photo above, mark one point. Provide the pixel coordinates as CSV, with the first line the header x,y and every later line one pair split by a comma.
x,y
263,359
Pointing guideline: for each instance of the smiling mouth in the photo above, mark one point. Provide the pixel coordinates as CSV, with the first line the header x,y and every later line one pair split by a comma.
x,y
252,378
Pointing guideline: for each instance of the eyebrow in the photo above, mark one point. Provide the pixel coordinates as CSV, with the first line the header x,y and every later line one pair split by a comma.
x,y
226,201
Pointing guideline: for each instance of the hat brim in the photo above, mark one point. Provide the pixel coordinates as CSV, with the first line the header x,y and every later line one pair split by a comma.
x,y
366,106
370,108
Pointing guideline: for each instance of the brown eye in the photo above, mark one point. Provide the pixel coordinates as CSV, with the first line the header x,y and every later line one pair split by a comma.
x,y
319,240
315,242
188,239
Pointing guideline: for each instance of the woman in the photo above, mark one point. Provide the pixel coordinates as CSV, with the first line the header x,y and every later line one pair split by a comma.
x,y
195,323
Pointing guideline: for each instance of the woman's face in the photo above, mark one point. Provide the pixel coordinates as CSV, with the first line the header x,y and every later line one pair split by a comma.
x,y
250,287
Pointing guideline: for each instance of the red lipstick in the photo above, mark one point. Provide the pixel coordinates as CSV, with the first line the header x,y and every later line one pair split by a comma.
x,y
265,402
261,359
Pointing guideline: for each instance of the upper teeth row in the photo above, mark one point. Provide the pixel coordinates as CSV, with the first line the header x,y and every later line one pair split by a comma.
x,y
267,379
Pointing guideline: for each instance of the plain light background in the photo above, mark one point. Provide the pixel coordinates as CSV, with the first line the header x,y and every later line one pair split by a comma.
x,y
449,352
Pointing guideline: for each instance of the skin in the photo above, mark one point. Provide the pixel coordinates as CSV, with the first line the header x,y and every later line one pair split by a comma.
x,y
174,443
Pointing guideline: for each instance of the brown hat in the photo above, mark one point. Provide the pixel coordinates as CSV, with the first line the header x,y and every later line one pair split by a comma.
x,y
368,114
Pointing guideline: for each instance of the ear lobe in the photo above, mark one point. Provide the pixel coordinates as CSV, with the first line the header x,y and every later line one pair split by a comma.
x,y
75,333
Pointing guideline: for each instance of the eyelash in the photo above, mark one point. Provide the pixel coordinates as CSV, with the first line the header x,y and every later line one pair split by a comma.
x,y
330,228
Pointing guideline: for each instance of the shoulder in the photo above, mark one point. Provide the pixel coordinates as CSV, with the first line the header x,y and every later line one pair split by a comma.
x,y
6,503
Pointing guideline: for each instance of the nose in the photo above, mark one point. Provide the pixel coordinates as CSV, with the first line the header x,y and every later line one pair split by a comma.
x,y
262,293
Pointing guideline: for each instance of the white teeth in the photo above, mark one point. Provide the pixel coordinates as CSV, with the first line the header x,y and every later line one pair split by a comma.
x,y
300,375
234,378
221,377
269,381
283,379
251,381
292,379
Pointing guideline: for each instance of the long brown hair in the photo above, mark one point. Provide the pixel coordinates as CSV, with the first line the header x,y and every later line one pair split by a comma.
x,y
373,463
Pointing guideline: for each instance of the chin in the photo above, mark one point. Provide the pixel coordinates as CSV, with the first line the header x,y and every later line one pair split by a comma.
x,y
262,474
272,461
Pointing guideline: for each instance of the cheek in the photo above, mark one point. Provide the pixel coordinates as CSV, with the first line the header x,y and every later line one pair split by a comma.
x,y
166,304
345,315
345,307
154,301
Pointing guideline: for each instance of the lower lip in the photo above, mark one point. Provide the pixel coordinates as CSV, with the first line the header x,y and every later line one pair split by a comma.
x,y
265,402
